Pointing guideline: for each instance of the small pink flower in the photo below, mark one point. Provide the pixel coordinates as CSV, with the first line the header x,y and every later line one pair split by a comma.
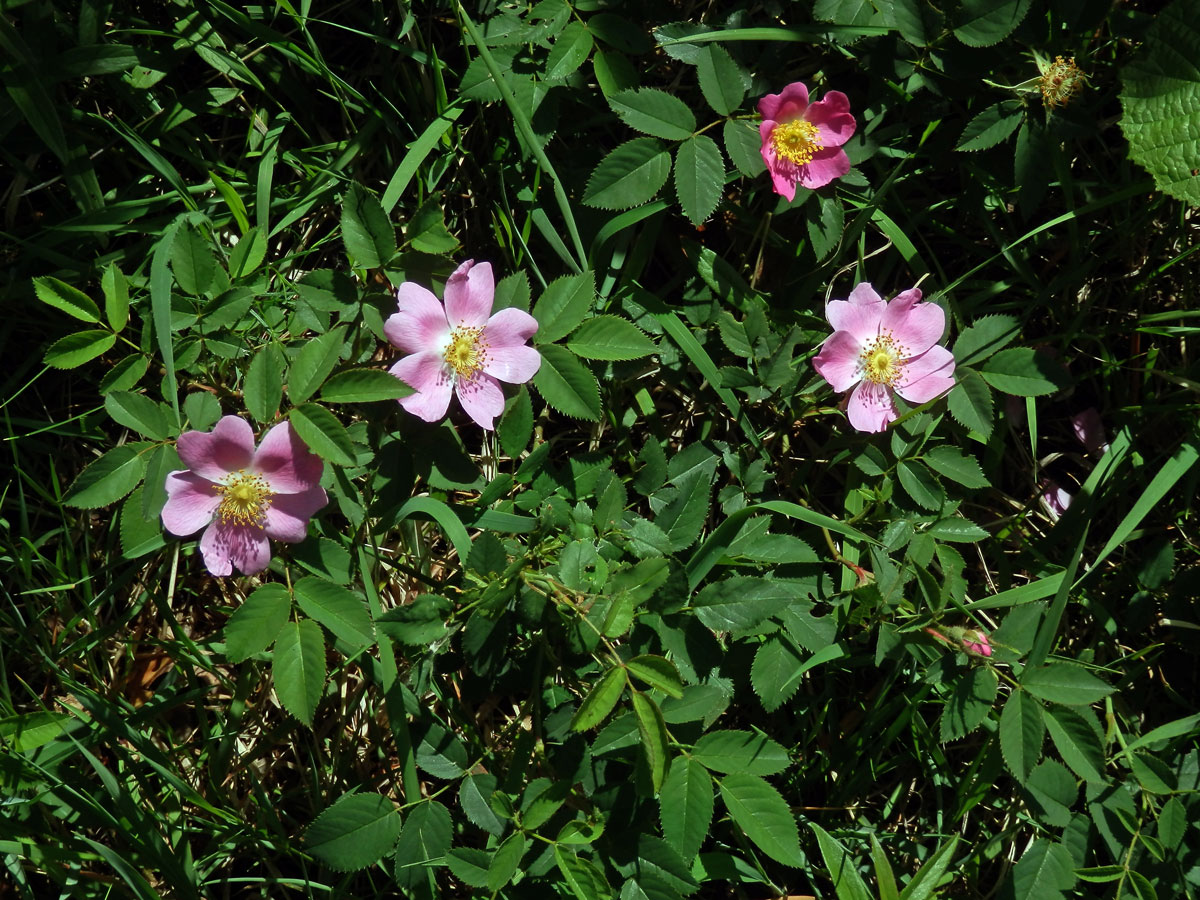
x,y
976,642
242,496
1055,500
1089,428
460,348
879,348
802,141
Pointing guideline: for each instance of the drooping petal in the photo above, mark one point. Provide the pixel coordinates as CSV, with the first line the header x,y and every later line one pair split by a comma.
x,y
825,166
516,365
482,398
831,115
244,546
859,315
783,173
192,500
915,326
1089,428
788,104
509,328
470,292
227,448
426,373
1056,500
419,322
285,461
838,361
926,376
288,515
871,407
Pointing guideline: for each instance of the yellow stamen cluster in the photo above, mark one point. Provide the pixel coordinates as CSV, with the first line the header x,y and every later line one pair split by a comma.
x,y
1061,81
796,141
245,499
882,360
466,353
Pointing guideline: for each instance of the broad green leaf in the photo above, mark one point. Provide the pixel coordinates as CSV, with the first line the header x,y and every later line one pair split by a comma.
x,y
952,463
600,700
567,384
776,673
369,237
655,743
202,410
629,176
956,530
323,433
1043,872
298,668
140,534
192,261
764,816
984,337
355,832
684,517
570,50
686,806
1024,372
657,672
699,177
840,866
473,795
969,703
421,622
740,752
470,865
263,387
610,338
583,878
515,427
27,731
563,305
991,126
970,402
363,386
920,484
426,231
905,16
342,611
1172,823
70,300
76,349
825,232
1152,773
313,364
543,798
109,478
1052,790
885,878
722,81
125,373
425,837
655,112
743,146
1022,731
742,602
116,297
253,626
1079,742
1160,97
1065,683
160,461
139,412
248,253
922,885
981,23
506,861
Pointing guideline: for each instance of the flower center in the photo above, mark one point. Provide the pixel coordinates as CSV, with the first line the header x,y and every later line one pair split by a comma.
x,y
244,499
466,353
882,360
796,141
1061,81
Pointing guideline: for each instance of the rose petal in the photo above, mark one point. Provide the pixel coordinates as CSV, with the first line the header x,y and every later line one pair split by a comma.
x,y
1089,428
227,448
482,398
509,327
871,408
192,500
245,546
288,515
915,326
426,373
420,321
470,292
516,365
926,376
788,104
838,361
860,315
285,461
825,166
831,115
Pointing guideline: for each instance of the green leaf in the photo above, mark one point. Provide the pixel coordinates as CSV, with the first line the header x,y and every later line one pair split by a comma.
x,y
253,626
922,885
655,743
1172,823
740,752
743,146
506,861
424,838
1052,792
426,230
722,81
248,253
610,338
1043,872
764,816
563,305
469,865
657,672
686,806
1065,683
840,866
981,23
369,237
742,602
116,296
920,484
699,177
655,113
1160,97
140,534
1024,372
192,261
125,373
342,611
139,412
991,126
363,386
323,433
567,384
631,175
984,337
473,795
298,668
355,832
775,674
202,410
956,530
263,387
969,703
600,700
570,51
583,878
683,518
970,402
420,623
1079,741
952,463
72,301
109,478
76,349
313,364
543,798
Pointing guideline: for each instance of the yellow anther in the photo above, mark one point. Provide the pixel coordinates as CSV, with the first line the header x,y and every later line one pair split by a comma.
x,y
796,141
245,499
466,353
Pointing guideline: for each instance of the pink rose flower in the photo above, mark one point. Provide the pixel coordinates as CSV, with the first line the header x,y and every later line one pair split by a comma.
x,y
460,348
977,643
1089,428
1055,500
802,141
879,348
242,496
